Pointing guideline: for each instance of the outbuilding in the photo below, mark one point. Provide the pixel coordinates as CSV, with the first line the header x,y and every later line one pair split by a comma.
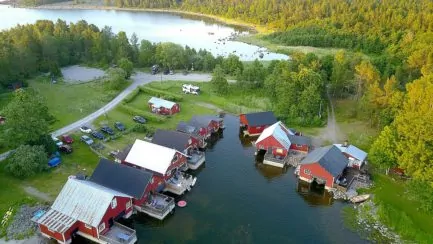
x,y
196,132
253,124
90,210
357,157
166,165
137,183
323,165
208,122
164,107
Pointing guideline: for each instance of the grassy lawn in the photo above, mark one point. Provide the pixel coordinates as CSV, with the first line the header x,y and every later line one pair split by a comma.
x,y
256,39
70,102
401,213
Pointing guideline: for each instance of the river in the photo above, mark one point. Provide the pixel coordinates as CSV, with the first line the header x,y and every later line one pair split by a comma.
x,y
155,27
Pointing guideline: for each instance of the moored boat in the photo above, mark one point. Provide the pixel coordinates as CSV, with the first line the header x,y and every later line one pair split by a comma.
x,y
360,198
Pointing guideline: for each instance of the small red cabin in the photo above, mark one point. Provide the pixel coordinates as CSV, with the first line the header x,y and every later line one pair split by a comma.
x,y
164,107
323,165
253,124
89,210
198,133
300,143
211,124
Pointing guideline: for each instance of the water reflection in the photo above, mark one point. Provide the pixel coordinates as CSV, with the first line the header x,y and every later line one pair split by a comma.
x,y
268,171
214,138
246,141
314,194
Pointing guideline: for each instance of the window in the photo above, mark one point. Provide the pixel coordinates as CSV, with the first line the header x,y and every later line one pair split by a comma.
x,y
88,226
114,203
101,227
307,171
129,204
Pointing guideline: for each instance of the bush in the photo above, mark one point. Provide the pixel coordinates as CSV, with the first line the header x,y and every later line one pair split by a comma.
x,y
131,96
147,115
27,161
162,94
140,128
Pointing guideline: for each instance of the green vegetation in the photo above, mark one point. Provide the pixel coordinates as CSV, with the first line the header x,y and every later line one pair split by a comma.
x,y
27,161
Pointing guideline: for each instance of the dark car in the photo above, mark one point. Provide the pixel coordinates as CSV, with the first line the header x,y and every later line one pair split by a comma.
x,y
107,130
65,149
166,72
155,69
98,135
119,126
139,119
67,139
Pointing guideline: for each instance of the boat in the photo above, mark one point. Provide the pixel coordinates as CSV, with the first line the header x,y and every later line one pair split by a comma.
x,y
360,198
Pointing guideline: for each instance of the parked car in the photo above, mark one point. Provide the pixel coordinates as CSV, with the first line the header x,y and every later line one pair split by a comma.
x,y
139,119
155,69
85,129
98,135
67,139
54,160
66,149
57,141
119,126
166,72
107,130
87,140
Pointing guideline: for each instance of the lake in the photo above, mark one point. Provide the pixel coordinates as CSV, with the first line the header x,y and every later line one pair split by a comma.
x,y
155,27
237,200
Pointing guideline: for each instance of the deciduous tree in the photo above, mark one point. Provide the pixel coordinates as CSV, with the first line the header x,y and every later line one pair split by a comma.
x,y
27,161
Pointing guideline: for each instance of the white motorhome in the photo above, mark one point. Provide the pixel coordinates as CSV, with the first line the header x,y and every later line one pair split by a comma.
x,y
190,89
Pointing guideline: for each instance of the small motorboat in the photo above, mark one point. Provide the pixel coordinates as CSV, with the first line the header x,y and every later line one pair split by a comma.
x,y
360,198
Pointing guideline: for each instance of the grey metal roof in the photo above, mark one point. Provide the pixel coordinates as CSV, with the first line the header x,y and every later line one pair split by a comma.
x,y
276,130
186,128
171,139
261,118
84,201
122,178
301,140
352,151
56,221
159,102
203,120
329,157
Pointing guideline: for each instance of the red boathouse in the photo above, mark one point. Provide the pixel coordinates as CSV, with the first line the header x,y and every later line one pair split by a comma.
x,y
89,210
253,124
323,165
196,132
164,107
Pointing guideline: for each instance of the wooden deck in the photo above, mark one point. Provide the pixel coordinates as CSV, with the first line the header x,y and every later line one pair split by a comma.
x,y
196,160
160,206
179,186
119,234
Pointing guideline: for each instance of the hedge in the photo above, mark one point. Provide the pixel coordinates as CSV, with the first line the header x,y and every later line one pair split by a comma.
x,y
131,96
161,94
147,115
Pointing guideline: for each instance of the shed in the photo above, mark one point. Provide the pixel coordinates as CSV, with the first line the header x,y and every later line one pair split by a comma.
x,y
323,165
253,124
275,138
211,123
356,156
199,134
161,106
300,143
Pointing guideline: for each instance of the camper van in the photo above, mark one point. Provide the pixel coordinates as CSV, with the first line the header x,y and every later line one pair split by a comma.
x,y
190,89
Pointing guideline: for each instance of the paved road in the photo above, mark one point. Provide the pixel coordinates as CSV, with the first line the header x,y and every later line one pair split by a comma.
x,y
138,79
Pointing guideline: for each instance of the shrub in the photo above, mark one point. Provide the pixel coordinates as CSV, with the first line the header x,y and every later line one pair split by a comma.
x,y
162,94
140,128
147,115
27,161
131,96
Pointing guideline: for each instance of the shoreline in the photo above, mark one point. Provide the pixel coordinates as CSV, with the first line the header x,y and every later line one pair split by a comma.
x,y
70,5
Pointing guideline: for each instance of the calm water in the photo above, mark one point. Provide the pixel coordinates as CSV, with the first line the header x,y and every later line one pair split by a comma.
x,y
155,27
236,200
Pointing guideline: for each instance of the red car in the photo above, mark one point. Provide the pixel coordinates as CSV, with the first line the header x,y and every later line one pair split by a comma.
x,y
67,139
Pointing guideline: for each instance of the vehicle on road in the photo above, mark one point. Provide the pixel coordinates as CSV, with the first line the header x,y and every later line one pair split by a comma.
x,y
57,141
171,72
87,140
118,125
166,72
85,129
139,119
67,139
107,130
190,89
155,69
65,149
98,135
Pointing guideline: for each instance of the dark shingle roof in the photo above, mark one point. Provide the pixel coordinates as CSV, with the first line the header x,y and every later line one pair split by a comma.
x,y
124,153
301,140
203,120
122,178
261,118
186,128
329,157
171,139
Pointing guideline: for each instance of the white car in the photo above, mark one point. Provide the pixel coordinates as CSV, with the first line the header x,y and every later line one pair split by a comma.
x,y
190,89
57,141
85,129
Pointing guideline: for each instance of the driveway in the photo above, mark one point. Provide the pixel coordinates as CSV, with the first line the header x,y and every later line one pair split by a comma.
x,y
138,79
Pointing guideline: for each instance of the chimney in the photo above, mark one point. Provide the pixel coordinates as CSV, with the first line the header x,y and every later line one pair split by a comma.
x,y
346,143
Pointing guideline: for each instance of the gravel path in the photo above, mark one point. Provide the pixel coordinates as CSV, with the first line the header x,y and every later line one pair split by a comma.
x,y
36,193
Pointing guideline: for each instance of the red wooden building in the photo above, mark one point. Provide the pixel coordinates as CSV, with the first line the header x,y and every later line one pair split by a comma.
x,y
137,183
253,124
89,210
166,165
164,107
324,165
181,142
211,124
196,132
357,157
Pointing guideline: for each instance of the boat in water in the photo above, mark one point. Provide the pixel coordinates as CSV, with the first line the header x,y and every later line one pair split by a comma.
x,y
360,198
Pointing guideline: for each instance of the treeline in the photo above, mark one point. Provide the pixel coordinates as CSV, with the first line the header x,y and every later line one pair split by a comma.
x,y
46,46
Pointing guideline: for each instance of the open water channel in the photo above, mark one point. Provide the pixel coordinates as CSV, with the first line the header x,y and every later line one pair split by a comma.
x,y
235,200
